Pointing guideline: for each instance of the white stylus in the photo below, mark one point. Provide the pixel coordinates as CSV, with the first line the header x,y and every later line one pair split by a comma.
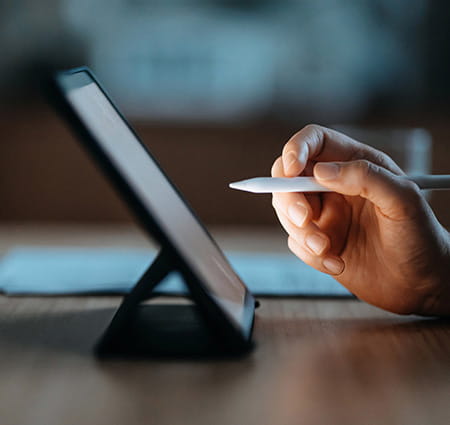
x,y
309,184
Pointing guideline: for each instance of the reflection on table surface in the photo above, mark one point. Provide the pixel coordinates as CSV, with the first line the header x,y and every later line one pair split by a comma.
x,y
315,361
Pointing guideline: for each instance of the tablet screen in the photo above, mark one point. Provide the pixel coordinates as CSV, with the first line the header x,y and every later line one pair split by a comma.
x,y
156,193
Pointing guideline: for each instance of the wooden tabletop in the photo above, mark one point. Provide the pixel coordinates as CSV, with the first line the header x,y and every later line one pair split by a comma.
x,y
315,362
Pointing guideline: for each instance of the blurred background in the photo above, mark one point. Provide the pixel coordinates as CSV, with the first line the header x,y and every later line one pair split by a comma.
x,y
215,88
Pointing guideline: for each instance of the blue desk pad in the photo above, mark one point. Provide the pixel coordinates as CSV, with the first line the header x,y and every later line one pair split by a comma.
x,y
69,270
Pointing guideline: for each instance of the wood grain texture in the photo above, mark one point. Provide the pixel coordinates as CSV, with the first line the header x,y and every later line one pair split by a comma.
x,y
315,362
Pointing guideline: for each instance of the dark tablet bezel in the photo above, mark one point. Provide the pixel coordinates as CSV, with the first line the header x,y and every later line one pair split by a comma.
x,y
236,334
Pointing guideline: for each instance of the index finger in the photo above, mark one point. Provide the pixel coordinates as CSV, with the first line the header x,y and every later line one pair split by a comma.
x,y
318,143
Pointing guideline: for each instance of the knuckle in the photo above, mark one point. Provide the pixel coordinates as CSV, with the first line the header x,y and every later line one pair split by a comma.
x,y
314,132
292,145
412,192
275,202
307,132
275,167
313,128
292,245
363,166
364,169
410,187
381,158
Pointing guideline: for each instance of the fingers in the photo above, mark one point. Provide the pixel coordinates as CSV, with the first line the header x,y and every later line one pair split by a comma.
x,y
311,245
328,264
395,197
292,204
316,143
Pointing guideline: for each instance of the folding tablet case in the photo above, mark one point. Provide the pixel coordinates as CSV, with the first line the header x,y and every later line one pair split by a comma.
x,y
220,320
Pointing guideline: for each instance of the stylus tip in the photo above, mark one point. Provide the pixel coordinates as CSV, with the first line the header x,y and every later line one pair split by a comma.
x,y
234,185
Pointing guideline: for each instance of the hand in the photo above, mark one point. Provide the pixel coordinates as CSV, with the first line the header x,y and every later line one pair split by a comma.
x,y
376,234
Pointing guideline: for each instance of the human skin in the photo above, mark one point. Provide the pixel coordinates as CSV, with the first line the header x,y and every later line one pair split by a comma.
x,y
375,234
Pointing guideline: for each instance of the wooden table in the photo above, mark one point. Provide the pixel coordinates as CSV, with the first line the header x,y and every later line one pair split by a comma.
x,y
316,361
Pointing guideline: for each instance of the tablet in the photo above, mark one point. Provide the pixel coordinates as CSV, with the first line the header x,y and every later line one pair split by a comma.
x,y
156,203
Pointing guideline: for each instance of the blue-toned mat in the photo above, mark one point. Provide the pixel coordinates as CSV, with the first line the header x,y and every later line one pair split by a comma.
x,y
63,270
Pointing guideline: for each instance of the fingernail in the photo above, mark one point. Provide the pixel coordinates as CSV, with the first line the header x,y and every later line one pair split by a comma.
x,y
326,170
298,213
316,243
333,265
291,159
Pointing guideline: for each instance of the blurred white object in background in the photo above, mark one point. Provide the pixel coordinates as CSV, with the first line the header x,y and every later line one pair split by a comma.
x,y
410,148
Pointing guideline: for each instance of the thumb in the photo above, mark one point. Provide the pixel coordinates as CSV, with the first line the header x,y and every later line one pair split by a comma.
x,y
395,196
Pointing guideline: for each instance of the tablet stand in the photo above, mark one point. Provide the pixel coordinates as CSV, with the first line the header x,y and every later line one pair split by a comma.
x,y
159,329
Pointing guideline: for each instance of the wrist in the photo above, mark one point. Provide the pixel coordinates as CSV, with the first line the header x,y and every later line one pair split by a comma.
x,y
438,303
